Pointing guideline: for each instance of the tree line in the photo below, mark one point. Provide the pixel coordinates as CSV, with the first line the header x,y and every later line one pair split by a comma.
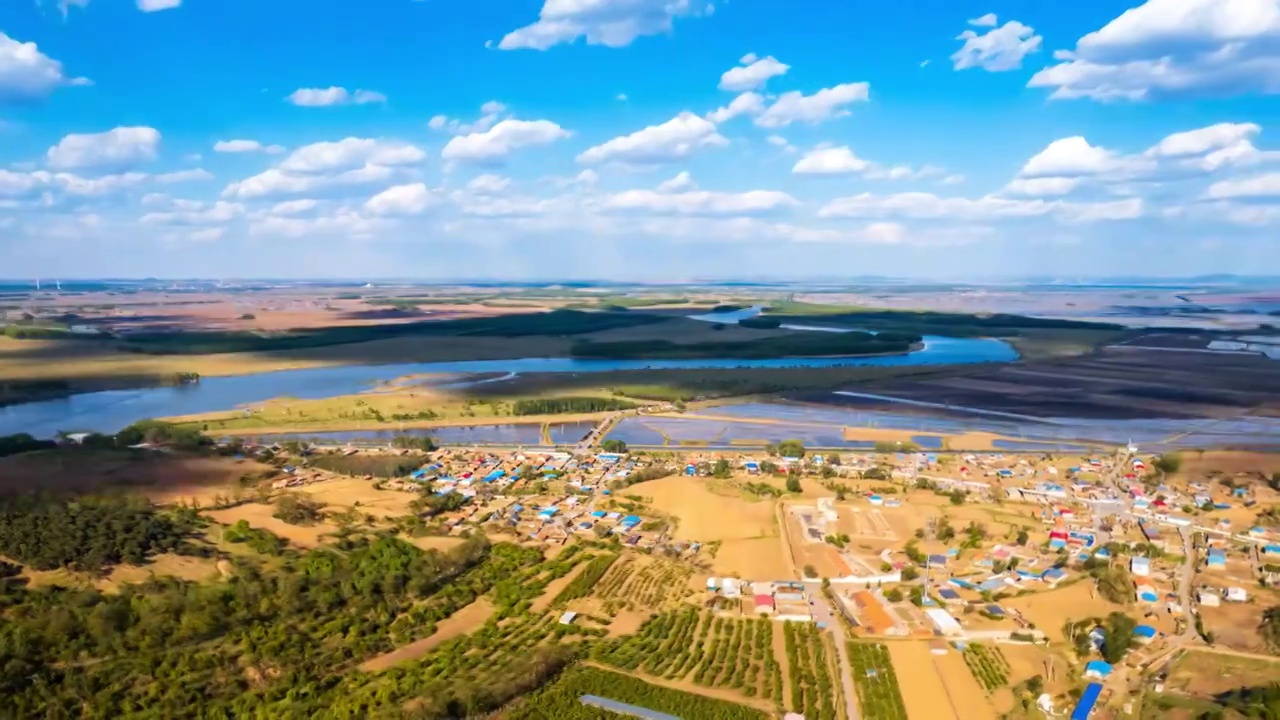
x,y
559,405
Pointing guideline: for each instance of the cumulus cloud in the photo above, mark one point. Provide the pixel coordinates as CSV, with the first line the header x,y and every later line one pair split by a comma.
x,y
27,73
182,176
988,20
922,205
680,183
748,103
841,160
1041,187
196,213
601,22
495,145
830,161
116,148
411,199
488,184
999,49
324,165
246,146
1258,186
325,97
752,73
823,105
699,202
673,140
490,113
1173,48
1074,157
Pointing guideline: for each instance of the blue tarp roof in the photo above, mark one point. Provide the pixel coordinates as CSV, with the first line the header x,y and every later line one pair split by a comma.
x,y
1145,631
1101,667
960,583
949,594
1087,701
937,559
598,513
631,520
1053,574
994,583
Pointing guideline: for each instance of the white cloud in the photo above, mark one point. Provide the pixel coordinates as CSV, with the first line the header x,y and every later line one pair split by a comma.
x,y
830,161
325,97
1258,186
412,199
748,103
988,20
1173,48
1041,186
181,176
490,113
680,183
752,74
350,153
343,222
780,142
1204,140
158,5
1074,157
496,144
922,205
324,165
120,147
488,184
1000,49
104,185
246,146
196,213
840,160
207,234
673,140
602,22
823,105
294,207
27,73
699,202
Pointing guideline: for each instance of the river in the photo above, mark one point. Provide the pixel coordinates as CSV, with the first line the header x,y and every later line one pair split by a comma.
x,y
110,410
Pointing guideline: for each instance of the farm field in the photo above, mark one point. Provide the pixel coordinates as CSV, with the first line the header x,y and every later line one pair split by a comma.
x,y
969,697
1235,625
876,681
703,650
347,492
259,516
466,620
1202,672
923,690
561,700
746,529
811,682
1050,610
637,583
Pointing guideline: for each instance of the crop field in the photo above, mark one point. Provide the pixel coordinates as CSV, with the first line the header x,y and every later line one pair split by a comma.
x,y
586,580
989,666
878,693
709,651
642,583
813,690
562,700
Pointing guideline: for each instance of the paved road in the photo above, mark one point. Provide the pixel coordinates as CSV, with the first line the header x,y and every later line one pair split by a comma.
x,y
825,614
1185,579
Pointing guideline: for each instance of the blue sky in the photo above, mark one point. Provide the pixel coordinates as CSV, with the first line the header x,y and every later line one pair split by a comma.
x,y
639,139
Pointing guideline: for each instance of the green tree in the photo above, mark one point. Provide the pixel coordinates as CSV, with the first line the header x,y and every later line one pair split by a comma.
x,y
613,446
791,449
1269,628
793,484
1168,463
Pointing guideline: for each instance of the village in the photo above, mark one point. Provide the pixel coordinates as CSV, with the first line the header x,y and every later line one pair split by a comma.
x,y
998,580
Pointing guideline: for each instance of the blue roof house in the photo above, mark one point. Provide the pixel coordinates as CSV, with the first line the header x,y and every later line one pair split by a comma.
x,y
1087,701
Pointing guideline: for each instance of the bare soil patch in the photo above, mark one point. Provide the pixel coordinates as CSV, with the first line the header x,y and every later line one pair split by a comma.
x,y
1204,673
554,587
971,701
343,493
923,692
1050,610
179,566
462,622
